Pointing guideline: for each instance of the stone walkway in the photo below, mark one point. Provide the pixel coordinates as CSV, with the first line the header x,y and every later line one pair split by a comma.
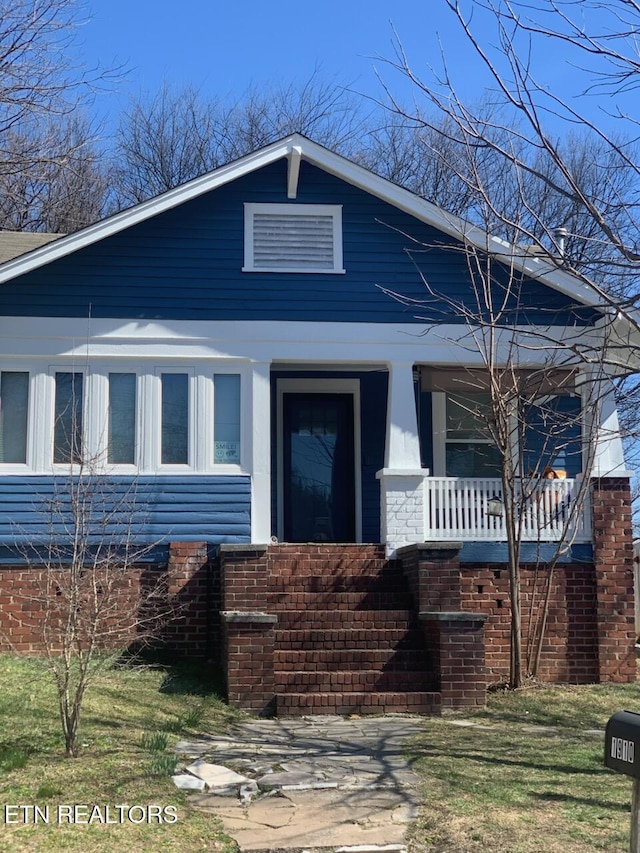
x,y
308,784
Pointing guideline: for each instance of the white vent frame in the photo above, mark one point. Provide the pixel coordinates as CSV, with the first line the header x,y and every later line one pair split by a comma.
x,y
332,210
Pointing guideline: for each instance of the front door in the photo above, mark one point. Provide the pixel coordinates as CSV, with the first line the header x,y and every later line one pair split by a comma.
x,y
318,468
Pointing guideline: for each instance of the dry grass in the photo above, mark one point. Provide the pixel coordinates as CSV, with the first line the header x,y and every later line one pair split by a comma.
x,y
527,778
118,764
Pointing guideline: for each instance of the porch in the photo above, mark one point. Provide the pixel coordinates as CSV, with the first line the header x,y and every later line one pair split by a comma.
x,y
416,507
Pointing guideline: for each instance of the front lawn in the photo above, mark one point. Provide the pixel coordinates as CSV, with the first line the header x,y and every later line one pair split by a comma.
x,y
132,719
527,777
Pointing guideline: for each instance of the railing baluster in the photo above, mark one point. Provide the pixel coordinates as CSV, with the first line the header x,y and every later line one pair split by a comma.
x,y
456,508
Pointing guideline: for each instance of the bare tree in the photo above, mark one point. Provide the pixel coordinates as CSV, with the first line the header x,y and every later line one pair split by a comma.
x,y
52,177
46,152
93,593
37,74
587,168
178,134
521,370
560,170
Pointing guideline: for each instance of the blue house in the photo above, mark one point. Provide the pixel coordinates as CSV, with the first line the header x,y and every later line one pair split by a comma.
x,y
272,352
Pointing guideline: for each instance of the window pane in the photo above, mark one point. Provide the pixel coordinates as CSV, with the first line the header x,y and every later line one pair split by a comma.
x,y
14,402
472,460
67,436
175,419
227,417
122,419
467,416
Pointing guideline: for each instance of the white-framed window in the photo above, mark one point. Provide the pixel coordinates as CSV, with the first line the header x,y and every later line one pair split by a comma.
x,y
176,417
122,409
14,416
125,417
462,444
303,238
227,406
68,416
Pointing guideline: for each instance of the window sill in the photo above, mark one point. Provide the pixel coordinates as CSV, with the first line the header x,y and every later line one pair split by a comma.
x,y
297,270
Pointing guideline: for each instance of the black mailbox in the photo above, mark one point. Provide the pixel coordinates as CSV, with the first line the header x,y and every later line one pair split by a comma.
x,y
622,743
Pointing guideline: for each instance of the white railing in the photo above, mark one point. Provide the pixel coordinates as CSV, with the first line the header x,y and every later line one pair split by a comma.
x,y
459,508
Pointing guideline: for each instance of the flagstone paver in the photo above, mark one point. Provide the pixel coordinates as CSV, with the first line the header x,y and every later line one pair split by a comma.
x,y
323,784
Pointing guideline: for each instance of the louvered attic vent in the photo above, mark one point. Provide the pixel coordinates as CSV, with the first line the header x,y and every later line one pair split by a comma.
x,y
293,238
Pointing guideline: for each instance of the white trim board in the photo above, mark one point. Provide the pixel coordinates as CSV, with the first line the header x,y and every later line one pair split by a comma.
x,y
278,341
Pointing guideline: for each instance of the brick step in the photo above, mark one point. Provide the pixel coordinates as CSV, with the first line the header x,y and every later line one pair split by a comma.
x,y
299,704
337,551
345,619
392,660
359,681
339,601
382,582
323,565
345,638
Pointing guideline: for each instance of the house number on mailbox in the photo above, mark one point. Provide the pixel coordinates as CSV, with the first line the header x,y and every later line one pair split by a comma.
x,y
622,750
621,737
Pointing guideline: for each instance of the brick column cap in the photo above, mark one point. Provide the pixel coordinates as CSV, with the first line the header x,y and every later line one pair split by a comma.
x,y
613,475
452,616
429,546
241,549
248,616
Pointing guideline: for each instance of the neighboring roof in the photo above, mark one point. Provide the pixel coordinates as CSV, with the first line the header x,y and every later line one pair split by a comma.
x,y
298,147
15,243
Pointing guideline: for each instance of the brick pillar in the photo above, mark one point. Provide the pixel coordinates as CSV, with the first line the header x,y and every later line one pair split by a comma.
x,y
249,640
433,572
455,637
249,632
456,641
245,577
188,591
613,559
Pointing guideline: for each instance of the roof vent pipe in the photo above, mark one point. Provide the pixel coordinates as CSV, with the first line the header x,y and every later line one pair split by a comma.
x,y
560,235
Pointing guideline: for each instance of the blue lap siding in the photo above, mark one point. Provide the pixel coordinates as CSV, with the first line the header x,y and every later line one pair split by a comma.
x,y
152,510
186,263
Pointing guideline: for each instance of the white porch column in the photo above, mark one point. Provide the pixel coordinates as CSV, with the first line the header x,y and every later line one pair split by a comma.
x,y
259,442
608,459
403,442
402,478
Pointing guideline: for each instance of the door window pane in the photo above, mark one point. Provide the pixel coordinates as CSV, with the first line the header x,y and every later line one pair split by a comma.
x,y
122,419
67,436
14,402
227,418
175,419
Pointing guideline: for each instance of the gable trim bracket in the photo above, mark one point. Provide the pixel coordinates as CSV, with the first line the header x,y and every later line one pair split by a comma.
x,y
293,172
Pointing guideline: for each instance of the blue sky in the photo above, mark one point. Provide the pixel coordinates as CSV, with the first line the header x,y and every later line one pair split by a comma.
x,y
224,47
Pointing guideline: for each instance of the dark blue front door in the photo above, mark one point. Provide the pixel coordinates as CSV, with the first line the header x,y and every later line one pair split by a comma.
x,y
318,469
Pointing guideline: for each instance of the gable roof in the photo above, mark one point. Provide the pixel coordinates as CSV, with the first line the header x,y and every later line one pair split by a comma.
x,y
296,147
